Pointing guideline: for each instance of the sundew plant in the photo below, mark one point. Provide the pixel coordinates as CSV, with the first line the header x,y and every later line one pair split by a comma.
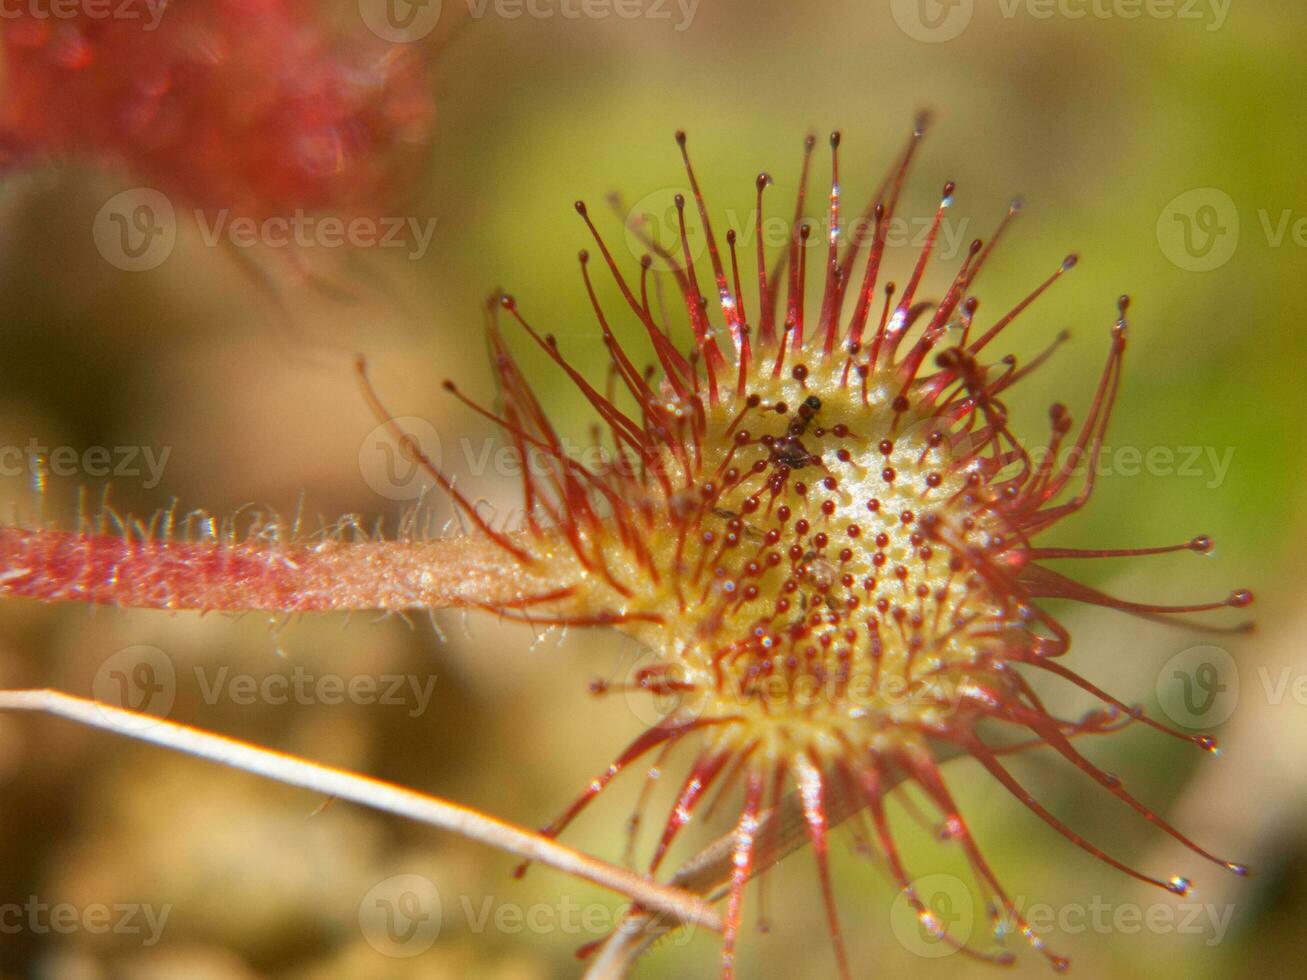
x,y
816,518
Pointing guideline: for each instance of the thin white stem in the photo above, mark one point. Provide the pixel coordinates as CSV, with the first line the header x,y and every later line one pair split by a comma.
x,y
369,792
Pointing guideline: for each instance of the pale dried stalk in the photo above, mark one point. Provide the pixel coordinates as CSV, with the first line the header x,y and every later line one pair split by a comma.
x,y
671,901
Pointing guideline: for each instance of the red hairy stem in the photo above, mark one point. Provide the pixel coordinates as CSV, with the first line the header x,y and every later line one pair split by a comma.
x,y
106,569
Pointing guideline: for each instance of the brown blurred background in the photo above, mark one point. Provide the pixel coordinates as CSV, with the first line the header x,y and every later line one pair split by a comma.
x,y
1102,115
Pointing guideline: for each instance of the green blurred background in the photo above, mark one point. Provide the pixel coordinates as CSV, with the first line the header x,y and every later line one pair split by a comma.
x,y
1101,121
